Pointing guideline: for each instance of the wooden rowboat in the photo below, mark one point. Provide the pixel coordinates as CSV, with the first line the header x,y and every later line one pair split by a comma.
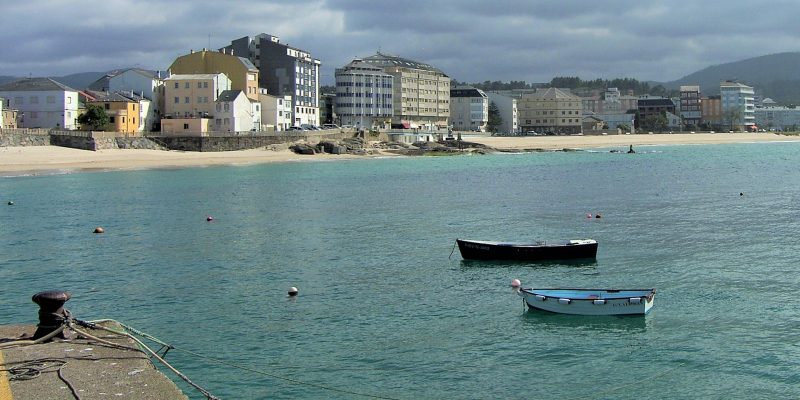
x,y
590,301
536,251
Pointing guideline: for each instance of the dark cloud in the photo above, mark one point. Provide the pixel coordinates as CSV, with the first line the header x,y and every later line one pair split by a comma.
x,y
470,40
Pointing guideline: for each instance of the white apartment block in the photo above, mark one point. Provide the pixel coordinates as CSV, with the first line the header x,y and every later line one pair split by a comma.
x,y
364,95
469,109
738,105
42,103
507,106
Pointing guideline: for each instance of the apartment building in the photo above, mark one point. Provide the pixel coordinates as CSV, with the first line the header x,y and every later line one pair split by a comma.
x,y
690,110
284,70
149,85
469,109
737,105
507,107
364,95
550,110
420,92
241,72
276,112
42,103
123,109
711,112
235,112
190,101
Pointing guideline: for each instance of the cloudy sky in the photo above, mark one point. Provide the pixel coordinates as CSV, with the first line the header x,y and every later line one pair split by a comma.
x,y
470,40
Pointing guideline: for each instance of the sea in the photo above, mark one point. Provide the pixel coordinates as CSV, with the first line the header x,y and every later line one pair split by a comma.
x,y
388,309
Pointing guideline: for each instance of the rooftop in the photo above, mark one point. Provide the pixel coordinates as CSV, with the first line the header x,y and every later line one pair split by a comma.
x,y
35,85
385,60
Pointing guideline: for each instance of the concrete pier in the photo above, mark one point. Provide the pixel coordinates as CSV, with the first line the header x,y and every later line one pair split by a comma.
x,y
93,370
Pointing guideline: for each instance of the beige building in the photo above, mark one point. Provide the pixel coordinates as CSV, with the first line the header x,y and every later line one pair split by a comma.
x,y
190,99
241,72
551,111
420,95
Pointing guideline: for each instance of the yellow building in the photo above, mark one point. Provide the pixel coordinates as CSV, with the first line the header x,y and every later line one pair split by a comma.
x,y
123,111
242,73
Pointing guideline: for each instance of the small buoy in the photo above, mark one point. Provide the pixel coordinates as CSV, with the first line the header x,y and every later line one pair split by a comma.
x,y
588,215
99,229
209,218
740,194
11,203
515,283
293,291
598,216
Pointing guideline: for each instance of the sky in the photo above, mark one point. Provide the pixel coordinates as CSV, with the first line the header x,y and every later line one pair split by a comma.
x,y
469,40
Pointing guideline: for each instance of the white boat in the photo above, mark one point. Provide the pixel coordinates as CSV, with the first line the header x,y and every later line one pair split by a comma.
x,y
590,301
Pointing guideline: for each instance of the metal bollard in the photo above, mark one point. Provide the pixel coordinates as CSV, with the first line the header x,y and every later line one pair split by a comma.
x,y
52,313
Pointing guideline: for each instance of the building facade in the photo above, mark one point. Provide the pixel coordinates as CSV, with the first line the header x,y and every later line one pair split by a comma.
x,y
276,112
612,101
654,106
711,112
552,111
690,108
469,109
190,101
42,103
776,118
420,92
241,72
364,96
738,105
507,107
123,111
235,112
284,70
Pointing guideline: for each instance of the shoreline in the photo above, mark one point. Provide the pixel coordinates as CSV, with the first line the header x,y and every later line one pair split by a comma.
x,y
51,160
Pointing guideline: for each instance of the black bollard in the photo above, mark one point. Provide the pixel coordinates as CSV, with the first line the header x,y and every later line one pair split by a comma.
x,y
52,313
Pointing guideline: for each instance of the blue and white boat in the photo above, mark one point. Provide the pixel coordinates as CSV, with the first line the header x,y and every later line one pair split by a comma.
x,y
590,301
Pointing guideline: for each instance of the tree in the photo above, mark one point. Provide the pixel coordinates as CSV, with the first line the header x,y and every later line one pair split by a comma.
x,y
733,116
655,122
95,118
495,120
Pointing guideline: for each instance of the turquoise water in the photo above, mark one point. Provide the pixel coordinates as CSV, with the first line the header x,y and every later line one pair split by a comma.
x,y
384,312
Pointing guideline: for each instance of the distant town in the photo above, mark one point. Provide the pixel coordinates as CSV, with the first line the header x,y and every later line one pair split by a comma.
x,y
258,84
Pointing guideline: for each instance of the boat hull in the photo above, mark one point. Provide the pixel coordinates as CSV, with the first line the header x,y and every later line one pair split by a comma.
x,y
566,250
590,301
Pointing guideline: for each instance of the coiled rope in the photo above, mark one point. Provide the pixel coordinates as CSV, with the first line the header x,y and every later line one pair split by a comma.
x,y
33,369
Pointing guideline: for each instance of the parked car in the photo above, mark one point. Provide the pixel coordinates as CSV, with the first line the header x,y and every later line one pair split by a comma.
x,y
330,126
296,128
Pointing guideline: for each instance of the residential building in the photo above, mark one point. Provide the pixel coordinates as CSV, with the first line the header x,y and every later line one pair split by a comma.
x,y
420,92
507,107
2,114
240,70
276,112
775,118
711,112
612,101
364,95
469,109
738,105
235,112
649,106
690,106
42,103
123,110
284,70
149,85
190,101
617,121
550,110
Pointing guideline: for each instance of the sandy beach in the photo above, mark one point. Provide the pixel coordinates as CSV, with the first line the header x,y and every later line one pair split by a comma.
x,y
43,159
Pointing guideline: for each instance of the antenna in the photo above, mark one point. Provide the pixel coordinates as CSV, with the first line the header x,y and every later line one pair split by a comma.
x,y
209,41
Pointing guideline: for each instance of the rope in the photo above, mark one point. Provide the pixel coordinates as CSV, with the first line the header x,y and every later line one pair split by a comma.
x,y
243,368
454,249
33,369
149,350
31,342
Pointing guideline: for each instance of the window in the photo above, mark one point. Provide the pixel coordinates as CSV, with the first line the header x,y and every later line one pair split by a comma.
x,y
111,119
123,120
185,126
177,100
199,85
186,85
177,85
107,106
186,99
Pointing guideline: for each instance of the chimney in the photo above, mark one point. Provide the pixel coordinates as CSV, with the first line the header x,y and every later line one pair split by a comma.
x,y
231,51
191,51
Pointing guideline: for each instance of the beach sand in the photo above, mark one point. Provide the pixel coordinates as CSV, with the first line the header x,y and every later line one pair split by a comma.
x,y
53,159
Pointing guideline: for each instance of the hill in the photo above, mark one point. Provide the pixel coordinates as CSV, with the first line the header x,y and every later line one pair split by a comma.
x,y
77,81
776,76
